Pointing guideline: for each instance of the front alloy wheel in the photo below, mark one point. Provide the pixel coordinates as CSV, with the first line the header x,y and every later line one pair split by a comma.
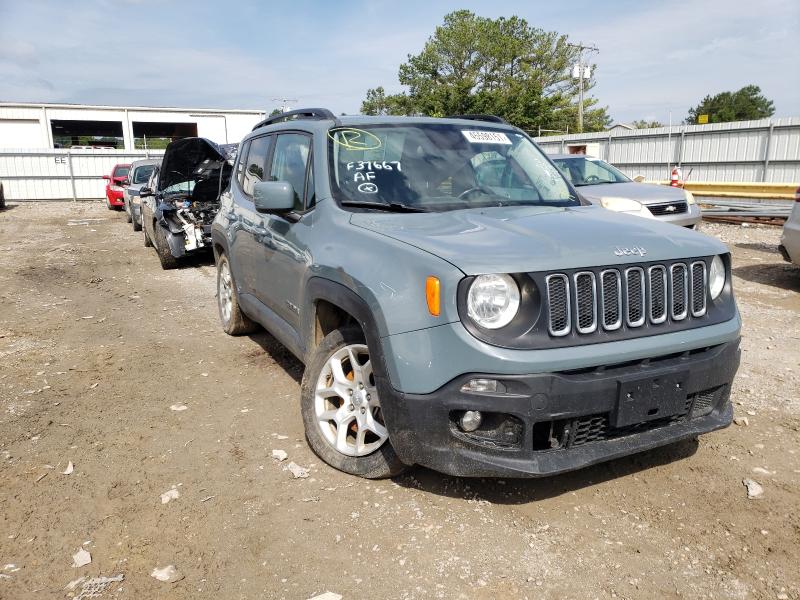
x,y
346,403
341,410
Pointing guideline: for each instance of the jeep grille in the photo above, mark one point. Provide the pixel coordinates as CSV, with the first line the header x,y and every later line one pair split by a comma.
x,y
590,300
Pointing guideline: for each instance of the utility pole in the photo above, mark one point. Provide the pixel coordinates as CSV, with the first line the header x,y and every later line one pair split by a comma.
x,y
284,102
581,71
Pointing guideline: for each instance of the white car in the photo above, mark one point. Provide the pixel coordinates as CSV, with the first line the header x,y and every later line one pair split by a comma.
x,y
790,240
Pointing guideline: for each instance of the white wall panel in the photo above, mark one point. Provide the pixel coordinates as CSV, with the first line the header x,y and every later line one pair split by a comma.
x,y
719,152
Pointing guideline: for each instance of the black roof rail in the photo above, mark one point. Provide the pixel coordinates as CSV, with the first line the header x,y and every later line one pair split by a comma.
x,y
478,117
317,114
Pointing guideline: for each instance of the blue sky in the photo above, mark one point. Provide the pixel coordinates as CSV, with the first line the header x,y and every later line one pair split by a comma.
x,y
654,57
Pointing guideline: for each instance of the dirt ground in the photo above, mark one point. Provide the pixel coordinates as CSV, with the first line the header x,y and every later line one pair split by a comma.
x,y
97,343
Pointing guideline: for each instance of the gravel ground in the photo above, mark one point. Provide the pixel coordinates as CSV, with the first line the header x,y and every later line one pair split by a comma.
x,y
99,347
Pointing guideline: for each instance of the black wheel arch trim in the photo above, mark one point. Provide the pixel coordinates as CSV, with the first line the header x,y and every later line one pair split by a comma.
x,y
219,240
320,288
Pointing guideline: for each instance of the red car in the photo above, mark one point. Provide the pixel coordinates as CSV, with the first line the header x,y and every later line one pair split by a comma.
x,y
116,181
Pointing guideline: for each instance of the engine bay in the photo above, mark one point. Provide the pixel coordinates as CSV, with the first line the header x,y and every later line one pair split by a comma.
x,y
194,218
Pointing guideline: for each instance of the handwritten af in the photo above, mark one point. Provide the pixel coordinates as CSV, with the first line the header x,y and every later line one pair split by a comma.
x,y
365,169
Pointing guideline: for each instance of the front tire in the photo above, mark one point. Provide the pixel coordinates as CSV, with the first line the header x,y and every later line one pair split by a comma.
x,y
234,321
147,242
128,217
341,410
161,245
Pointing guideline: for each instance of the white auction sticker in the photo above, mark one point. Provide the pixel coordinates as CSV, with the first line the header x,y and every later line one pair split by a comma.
x,y
486,137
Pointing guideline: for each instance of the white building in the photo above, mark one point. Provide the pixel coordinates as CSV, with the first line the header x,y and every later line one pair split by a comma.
x,y
48,126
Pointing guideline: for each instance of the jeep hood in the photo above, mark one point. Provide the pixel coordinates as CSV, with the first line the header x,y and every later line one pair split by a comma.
x,y
532,238
195,159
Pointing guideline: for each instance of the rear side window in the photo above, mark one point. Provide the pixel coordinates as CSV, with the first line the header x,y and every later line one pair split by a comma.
x,y
256,161
292,151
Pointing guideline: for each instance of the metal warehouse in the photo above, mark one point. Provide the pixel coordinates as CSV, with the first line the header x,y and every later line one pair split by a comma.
x,y
79,126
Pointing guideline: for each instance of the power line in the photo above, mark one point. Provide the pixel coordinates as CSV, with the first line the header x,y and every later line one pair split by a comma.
x,y
284,102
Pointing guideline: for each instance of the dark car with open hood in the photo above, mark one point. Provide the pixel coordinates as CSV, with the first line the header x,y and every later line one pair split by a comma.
x,y
182,198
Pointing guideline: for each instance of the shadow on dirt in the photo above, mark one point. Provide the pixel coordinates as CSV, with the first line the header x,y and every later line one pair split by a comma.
x,y
760,247
780,275
523,491
198,259
277,352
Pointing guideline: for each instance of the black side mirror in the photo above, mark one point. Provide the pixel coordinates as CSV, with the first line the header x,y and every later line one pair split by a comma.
x,y
145,192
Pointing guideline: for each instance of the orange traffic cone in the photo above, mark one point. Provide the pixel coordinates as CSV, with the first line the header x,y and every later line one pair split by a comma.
x,y
675,178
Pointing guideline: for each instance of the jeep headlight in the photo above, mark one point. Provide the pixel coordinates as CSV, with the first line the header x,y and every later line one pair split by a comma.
x,y
620,204
493,300
689,197
716,277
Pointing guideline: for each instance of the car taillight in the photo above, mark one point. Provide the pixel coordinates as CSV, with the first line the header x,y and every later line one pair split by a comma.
x,y
797,195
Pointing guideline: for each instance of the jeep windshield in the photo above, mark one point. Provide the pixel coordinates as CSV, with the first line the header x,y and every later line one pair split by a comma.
x,y
439,167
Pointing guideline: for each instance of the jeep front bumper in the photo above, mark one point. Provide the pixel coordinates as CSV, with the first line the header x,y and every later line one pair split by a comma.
x,y
548,423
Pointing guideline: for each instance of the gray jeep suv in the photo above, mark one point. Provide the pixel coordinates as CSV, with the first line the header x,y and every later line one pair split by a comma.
x,y
479,330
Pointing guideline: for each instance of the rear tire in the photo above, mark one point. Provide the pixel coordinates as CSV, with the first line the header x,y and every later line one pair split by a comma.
x,y
161,245
341,412
234,321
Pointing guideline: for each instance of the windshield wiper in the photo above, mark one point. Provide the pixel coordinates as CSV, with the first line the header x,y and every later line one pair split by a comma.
x,y
389,207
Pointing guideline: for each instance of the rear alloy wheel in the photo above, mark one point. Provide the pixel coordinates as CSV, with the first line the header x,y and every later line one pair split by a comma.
x,y
234,321
341,408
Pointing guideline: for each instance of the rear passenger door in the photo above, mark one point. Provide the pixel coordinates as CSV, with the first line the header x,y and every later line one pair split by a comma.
x,y
285,257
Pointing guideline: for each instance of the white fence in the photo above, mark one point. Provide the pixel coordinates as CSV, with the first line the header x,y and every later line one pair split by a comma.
x,y
61,174
767,150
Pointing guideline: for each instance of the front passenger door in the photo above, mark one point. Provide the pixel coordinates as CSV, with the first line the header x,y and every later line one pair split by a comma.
x,y
285,258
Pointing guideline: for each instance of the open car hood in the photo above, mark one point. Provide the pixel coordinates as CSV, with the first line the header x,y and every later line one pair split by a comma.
x,y
196,159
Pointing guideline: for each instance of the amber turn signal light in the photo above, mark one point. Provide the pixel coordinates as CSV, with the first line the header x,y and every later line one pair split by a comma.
x,y
433,295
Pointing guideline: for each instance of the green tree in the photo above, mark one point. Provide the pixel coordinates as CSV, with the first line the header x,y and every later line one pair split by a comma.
x,y
378,103
499,66
645,124
746,104
275,111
